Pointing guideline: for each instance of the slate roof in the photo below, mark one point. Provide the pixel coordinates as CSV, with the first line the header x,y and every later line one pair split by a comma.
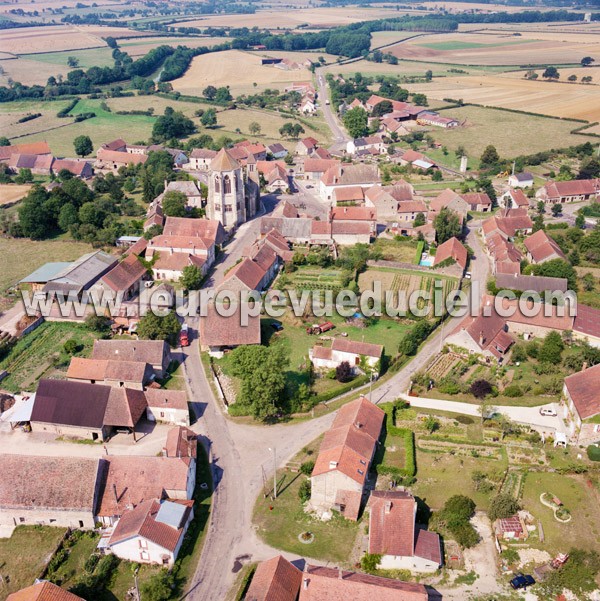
x,y
69,403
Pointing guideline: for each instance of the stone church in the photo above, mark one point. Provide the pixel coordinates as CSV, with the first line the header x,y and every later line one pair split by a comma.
x,y
233,191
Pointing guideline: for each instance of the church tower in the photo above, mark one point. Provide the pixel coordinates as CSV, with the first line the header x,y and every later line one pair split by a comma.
x,y
226,191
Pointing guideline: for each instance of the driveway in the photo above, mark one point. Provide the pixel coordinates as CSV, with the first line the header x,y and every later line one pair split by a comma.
x,y
340,137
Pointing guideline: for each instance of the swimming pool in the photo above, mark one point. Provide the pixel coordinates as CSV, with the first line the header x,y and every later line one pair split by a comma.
x,y
426,261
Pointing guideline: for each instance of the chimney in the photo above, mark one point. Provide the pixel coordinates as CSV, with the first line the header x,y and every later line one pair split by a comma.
x,y
358,424
333,465
481,338
340,574
116,495
305,583
388,506
584,366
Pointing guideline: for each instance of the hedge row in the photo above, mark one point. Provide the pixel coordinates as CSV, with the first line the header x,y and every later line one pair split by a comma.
x,y
339,390
65,111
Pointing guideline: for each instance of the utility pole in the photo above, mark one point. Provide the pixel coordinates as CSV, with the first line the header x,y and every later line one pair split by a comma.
x,y
274,450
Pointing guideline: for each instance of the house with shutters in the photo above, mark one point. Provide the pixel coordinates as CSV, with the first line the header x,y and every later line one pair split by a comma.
x,y
353,352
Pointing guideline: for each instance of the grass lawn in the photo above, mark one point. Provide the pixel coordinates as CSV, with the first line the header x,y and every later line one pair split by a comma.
x,y
92,57
281,520
578,497
402,250
511,133
442,475
24,555
20,257
68,572
40,354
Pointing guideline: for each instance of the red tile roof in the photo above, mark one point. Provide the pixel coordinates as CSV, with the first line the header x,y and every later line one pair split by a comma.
x,y
392,523
356,193
142,522
248,273
125,407
332,584
181,442
518,197
351,440
43,591
354,213
542,247
477,198
75,167
444,198
125,274
275,580
216,330
452,248
169,399
359,348
130,480
31,148
587,321
576,187
124,158
584,390
319,165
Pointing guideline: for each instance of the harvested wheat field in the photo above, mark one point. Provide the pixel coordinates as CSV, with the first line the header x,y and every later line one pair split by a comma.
x,y
498,48
237,69
555,99
291,19
30,40
565,73
10,193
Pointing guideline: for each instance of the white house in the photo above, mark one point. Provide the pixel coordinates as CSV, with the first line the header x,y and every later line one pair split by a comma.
x,y
169,406
346,350
152,532
200,159
520,180
394,535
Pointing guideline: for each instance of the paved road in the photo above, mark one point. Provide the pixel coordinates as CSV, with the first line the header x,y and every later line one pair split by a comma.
x,y
340,137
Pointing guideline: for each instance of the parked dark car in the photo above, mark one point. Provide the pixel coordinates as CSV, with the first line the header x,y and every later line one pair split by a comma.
x,y
277,326
522,581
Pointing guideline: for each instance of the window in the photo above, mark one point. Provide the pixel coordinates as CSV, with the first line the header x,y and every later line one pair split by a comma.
x,y
227,185
143,543
52,520
218,208
217,184
21,520
228,209
80,523
162,413
144,556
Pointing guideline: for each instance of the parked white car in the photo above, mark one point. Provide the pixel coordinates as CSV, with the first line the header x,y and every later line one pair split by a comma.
x,y
548,411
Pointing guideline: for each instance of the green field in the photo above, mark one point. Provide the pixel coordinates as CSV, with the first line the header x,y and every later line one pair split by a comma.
x,y
93,57
578,496
512,134
20,257
40,354
24,555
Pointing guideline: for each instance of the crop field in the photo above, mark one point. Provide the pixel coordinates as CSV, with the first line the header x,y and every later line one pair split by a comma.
x,y
55,38
511,133
10,193
291,19
555,99
315,278
498,48
237,69
564,72
383,38
401,280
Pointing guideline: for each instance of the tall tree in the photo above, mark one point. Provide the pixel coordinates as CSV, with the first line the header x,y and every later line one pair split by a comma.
x,y
447,225
489,156
83,145
356,122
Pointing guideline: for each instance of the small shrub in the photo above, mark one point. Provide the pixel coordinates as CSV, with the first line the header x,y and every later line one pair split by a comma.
x,y
593,453
304,491
513,391
465,419
70,347
307,467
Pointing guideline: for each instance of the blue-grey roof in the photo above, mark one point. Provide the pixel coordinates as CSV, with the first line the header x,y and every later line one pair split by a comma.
x,y
171,514
44,273
81,274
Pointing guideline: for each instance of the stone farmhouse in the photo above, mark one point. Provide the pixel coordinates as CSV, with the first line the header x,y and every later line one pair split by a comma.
x,y
154,352
342,466
541,248
350,351
344,176
581,392
576,190
394,535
